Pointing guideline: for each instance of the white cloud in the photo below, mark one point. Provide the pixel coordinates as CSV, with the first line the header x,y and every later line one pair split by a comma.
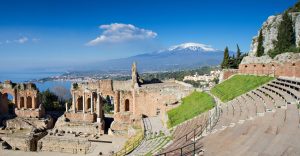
x,y
21,40
35,40
118,32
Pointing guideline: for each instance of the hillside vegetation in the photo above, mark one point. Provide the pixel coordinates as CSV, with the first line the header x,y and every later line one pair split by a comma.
x,y
238,85
192,105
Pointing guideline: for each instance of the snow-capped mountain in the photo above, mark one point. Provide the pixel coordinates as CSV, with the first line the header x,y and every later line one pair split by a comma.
x,y
183,56
192,47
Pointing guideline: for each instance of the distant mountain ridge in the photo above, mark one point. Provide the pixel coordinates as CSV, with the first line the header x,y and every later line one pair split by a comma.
x,y
183,56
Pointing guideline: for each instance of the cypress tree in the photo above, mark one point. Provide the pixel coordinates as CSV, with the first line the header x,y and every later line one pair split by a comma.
x,y
225,63
260,48
238,56
238,52
286,35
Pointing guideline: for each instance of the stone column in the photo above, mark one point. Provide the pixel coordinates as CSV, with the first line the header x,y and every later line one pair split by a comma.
x,y
25,102
19,102
116,102
74,103
67,107
98,108
92,103
33,102
83,99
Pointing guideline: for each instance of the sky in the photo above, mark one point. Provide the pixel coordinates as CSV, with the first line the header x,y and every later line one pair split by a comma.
x,y
56,35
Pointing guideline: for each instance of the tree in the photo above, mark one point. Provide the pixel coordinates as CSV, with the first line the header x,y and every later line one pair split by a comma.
x,y
260,48
61,92
108,106
238,56
238,52
286,35
225,62
51,101
295,8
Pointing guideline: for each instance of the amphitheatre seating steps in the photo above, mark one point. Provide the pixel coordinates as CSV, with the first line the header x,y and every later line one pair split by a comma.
x,y
268,101
279,101
251,106
253,137
275,133
185,128
290,81
186,139
243,111
226,115
241,137
284,83
258,102
286,88
288,97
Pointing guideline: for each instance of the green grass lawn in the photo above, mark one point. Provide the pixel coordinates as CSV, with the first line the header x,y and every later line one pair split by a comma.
x,y
192,105
238,85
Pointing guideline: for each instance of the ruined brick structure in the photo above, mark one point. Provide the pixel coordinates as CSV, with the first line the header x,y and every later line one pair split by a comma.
x,y
131,100
25,99
283,65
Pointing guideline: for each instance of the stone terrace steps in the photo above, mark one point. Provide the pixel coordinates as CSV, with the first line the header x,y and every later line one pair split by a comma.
x,y
274,133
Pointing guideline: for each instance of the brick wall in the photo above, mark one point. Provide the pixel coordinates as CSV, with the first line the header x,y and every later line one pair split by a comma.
x,y
288,69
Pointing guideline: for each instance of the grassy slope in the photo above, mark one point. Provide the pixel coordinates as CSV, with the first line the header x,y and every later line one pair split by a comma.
x,y
238,85
191,106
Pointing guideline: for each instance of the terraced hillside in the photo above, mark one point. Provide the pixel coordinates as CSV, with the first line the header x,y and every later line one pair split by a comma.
x,y
192,105
238,85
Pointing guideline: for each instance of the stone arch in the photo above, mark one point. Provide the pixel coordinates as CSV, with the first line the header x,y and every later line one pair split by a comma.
x,y
29,102
127,105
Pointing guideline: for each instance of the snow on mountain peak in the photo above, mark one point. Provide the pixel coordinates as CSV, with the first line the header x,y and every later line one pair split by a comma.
x,y
193,47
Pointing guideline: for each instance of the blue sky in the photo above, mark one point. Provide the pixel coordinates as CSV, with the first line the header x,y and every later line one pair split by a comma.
x,y
58,34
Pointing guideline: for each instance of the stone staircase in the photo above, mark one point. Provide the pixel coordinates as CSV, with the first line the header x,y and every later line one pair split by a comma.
x,y
156,137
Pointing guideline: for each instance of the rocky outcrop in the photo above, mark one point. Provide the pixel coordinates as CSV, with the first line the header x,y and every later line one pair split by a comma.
x,y
281,58
270,32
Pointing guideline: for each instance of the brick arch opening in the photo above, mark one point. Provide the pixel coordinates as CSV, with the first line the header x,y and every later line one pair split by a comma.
x,y
22,102
127,105
80,104
29,102
88,103
6,103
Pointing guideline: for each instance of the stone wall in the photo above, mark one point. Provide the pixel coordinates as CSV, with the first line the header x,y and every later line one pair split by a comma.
x,y
30,113
79,126
285,65
226,73
55,144
81,117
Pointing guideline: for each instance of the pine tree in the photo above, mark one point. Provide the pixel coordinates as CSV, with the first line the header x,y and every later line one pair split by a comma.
x,y
286,35
225,63
260,48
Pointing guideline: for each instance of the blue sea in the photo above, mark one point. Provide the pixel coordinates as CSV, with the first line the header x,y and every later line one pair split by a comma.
x,y
23,77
